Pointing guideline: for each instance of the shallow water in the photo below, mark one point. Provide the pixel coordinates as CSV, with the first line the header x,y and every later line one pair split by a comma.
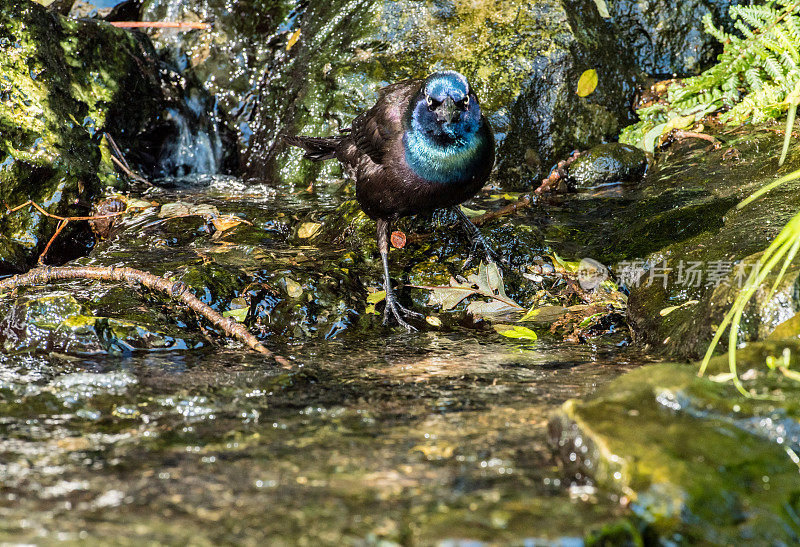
x,y
408,438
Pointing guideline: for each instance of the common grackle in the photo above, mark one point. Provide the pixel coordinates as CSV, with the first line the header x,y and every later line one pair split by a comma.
x,y
424,145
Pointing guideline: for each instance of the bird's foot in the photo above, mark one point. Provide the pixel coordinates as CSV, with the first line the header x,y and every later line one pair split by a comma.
x,y
492,257
399,313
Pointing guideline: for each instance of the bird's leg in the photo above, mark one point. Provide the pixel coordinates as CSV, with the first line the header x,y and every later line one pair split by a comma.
x,y
393,307
477,240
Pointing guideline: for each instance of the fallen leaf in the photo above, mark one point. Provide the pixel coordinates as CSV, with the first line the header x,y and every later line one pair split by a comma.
x,y
293,288
293,39
225,223
587,83
516,331
398,239
375,297
484,309
449,297
239,314
433,321
308,230
602,8
545,314
487,282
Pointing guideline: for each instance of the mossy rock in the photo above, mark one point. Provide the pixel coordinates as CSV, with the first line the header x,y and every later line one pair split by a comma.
x,y
326,61
697,461
607,163
63,84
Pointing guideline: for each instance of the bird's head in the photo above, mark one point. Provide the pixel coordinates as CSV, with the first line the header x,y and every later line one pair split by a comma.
x,y
446,109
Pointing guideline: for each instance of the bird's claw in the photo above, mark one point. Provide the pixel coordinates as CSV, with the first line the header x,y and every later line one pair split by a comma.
x,y
397,312
491,255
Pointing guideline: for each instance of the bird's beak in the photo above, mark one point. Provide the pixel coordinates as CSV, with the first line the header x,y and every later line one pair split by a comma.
x,y
447,112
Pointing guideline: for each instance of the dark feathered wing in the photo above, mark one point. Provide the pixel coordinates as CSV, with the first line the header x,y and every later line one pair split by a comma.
x,y
374,131
371,134
316,148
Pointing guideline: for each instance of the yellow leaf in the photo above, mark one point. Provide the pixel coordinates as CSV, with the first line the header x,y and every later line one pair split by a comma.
x,y
308,230
293,39
225,223
587,83
375,297
602,8
433,321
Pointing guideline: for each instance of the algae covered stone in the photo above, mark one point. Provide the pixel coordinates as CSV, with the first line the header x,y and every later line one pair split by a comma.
x,y
63,83
696,460
607,163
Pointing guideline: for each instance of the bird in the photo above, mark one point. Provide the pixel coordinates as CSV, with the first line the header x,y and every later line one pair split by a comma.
x,y
424,145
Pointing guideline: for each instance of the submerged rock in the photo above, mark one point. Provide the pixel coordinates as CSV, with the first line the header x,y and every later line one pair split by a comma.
x,y
607,163
696,461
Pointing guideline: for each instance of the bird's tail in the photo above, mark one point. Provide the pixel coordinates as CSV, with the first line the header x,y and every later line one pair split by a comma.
x,y
316,148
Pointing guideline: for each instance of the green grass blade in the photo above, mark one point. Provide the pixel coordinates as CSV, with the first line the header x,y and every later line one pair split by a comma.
x,y
787,136
774,184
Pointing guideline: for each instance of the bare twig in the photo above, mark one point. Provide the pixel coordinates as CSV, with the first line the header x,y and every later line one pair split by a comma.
x,y
39,208
681,134
160,24
119,160
62,221
175,289
115,149
522,203
60,228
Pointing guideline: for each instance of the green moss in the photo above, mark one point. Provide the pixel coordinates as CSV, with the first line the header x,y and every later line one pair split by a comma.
x,y
695,460
63,83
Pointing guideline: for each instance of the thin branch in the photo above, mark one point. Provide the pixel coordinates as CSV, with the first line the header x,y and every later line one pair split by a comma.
x,y
56,217
61,225
175,289
523,203
119,160
115,149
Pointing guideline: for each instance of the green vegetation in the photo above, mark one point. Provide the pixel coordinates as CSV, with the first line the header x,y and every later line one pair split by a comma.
x,y
753,81
781,252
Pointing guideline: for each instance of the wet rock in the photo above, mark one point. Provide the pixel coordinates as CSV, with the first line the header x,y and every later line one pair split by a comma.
x,y
696,461
64,83
607,163
667,37
312,67
59,321
679,244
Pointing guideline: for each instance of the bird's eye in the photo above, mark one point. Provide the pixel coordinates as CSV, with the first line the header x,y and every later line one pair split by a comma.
x,y
464,103
432,103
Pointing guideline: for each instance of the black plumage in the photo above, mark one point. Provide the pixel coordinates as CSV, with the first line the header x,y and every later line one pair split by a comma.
x,y
425,145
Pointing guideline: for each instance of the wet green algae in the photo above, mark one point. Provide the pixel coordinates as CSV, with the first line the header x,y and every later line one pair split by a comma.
x,y
64,83
697,461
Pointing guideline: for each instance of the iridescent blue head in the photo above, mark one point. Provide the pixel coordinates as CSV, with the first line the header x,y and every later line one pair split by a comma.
x,y
445,132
